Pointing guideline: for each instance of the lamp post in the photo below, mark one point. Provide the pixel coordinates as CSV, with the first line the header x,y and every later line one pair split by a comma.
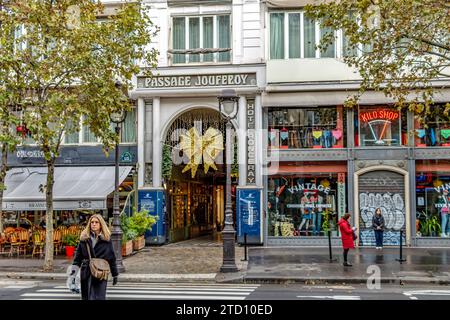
x,y
228,108
116,234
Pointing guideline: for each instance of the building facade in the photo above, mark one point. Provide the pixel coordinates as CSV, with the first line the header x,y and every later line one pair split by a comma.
x,y
303,159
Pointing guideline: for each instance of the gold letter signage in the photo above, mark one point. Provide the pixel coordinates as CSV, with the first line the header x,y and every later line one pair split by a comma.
x,y
251,169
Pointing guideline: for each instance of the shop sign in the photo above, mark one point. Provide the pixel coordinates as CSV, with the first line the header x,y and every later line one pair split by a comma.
x,y
381,114
29,154
341,194
302,187
57,205
249,215
251,142
191,81
126,157
308,205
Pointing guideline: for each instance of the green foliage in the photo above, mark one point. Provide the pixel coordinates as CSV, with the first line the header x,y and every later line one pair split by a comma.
x,y
65,67
398,47
70,240
430,226
167,162
136,225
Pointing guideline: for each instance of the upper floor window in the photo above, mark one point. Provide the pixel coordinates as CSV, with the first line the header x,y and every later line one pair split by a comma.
x,y
192,34
435,129
294,35
85,135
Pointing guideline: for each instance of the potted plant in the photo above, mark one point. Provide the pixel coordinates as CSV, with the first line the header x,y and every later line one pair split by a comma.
x,y
140,222
70,241
430,227
127,235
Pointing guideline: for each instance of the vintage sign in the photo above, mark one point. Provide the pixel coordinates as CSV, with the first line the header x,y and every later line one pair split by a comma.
x,y
191,81
57,205
302,187
251,142
249,215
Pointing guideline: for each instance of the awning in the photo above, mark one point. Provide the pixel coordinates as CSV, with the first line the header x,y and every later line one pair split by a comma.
x,y
75,188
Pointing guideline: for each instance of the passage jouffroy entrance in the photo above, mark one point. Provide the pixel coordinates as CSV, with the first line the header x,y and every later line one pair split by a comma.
x,y
385,190
194,174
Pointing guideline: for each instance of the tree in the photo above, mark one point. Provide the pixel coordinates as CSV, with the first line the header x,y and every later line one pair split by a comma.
x,y
399,47
71,63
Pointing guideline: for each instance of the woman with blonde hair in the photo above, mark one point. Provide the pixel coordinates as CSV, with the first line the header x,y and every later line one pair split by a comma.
x,y
95,242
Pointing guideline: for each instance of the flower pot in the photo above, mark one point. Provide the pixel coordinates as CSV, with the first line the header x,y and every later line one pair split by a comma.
x,y
127,248
139,243
70,251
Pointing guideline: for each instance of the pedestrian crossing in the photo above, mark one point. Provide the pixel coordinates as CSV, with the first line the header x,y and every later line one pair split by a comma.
x,y
157,291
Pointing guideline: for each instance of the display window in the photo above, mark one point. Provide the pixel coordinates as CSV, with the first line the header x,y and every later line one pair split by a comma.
x,y
433,198
306,199
434,130
314,127
380,126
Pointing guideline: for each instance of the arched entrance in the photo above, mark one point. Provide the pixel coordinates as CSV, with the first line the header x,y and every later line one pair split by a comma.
x,y
382,187
194,174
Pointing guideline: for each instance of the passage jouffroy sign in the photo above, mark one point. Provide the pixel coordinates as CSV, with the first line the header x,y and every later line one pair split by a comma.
x,y
197,80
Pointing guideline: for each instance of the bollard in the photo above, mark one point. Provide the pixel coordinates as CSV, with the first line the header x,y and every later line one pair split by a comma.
x,y
401,248
245,248
329,246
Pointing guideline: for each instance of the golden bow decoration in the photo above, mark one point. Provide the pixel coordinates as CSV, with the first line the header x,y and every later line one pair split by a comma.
x,y
195,147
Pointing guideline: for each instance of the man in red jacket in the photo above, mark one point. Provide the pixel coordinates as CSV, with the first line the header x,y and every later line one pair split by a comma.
x,y
348,236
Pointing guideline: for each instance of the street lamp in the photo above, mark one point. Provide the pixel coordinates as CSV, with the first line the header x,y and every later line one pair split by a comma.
x,y
116,234
228,108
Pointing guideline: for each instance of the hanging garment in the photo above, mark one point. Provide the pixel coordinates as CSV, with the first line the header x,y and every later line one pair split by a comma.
x,y
327,139
284,139
273,138
337,134
293,139
317,134
445,133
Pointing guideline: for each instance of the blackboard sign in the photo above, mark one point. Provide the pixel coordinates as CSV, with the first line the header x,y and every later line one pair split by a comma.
x,y
249,216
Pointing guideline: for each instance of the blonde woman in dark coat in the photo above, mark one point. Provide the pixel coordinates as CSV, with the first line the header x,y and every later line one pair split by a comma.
x,y
97,236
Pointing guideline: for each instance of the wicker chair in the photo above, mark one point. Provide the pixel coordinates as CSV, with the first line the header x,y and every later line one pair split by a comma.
x,y
57,241
38,243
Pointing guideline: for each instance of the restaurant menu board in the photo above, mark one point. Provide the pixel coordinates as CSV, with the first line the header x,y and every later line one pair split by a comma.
x,y
153,200
249,215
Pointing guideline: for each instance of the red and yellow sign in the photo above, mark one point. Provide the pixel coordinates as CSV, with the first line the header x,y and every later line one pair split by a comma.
x,y
380,114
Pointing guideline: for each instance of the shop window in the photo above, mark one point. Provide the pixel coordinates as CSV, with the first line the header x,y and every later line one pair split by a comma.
x,y
433,198
204,32
305,199
295,128
435,130
380,126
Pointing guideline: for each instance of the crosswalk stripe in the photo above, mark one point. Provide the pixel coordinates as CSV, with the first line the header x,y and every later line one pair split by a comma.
x,y
140,296
332,297
161,291
154,291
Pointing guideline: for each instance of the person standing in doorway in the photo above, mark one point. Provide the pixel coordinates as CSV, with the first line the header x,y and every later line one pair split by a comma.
x,y
348,236
96,238
378,227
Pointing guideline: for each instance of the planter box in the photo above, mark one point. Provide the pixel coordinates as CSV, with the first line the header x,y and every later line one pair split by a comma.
x,y
70,251
127,248
139,243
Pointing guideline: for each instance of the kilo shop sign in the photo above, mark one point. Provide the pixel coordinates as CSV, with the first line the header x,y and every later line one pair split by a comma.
x,y
379,114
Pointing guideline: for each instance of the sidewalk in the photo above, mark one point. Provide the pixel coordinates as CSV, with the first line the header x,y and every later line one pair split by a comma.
x,y
191,261
312,265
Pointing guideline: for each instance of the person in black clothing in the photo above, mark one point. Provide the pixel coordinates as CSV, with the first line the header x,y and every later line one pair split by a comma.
x,y
97,236
378,227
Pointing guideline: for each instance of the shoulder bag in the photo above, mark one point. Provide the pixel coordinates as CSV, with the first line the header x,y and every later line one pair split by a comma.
x,y
99,267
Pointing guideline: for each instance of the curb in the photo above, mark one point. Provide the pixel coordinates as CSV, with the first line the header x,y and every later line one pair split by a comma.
x,y
342,280
205,277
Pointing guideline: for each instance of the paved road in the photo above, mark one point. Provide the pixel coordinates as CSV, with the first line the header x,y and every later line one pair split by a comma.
x,y
56,290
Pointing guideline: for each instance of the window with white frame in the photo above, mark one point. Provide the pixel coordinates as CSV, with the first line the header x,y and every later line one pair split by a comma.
x,y
201,32
293,35
74,135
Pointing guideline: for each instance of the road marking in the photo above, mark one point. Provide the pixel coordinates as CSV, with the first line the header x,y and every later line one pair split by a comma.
x,y
414,298
427,293
163,291
333,297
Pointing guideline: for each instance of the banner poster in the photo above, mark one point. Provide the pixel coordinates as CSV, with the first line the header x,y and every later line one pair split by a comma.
x,y
249,216
153,201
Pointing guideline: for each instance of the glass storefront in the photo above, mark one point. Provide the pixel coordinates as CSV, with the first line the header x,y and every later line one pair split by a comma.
x,y
380,126
305,198
433,199
436,132
314,127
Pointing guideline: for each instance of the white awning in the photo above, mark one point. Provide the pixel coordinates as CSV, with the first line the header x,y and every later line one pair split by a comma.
x,y
75,188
